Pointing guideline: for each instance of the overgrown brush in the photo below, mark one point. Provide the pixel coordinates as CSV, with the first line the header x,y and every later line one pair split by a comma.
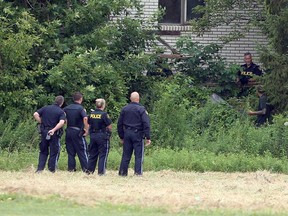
x,y
157,159
18,136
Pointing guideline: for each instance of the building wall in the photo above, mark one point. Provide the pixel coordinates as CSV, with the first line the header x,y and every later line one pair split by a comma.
x,y
233,51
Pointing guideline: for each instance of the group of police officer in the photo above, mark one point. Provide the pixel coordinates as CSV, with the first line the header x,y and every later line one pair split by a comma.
x,y
245,78
133,128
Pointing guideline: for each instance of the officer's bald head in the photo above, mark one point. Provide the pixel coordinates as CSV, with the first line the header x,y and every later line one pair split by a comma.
x,y
134,97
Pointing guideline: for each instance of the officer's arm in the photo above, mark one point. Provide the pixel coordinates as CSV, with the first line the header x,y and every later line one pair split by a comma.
x,y
258,71
107,122
86,125
37,117
120,129
263,108
146,124
109,127
260,112
57,127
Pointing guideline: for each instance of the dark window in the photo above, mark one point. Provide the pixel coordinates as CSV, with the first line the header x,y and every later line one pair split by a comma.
x,y
179,11
172,11
191,4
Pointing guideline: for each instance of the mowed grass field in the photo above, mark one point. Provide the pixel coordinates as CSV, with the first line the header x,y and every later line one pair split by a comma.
x,y
156,193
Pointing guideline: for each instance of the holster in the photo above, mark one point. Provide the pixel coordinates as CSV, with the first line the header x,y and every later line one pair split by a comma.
x,y
39,128
108,134
81,133
60,132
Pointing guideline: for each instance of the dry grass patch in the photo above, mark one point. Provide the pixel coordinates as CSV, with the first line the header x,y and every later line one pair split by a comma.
x,y
174,191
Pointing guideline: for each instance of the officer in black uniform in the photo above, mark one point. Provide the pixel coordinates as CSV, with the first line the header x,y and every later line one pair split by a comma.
x,y
77,129
263,112
133,127
249,69
100,129
51,119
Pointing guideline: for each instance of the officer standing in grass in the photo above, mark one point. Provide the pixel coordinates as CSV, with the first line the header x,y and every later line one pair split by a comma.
x,y
100,129
51,118
133,127
264,111
77,129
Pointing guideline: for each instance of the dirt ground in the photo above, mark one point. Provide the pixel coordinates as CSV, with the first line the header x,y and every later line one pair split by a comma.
x,y
174,191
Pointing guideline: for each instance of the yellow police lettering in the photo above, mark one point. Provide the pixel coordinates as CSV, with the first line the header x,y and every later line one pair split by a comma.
x,y
246,73
95,116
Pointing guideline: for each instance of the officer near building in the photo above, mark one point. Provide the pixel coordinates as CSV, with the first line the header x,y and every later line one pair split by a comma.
x,y
77,129
51,119
264,108
100,129
249,69
133,127
245,75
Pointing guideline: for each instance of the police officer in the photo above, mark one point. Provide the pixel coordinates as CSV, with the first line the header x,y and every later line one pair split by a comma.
x,y
263,112
249,69
100,131
77,129
133,127
51,119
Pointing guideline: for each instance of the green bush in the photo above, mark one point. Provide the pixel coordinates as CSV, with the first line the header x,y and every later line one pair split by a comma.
x,y
170,116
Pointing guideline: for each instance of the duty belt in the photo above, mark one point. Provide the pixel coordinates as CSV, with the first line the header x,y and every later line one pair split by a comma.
x,y
131,128
75,128
98,131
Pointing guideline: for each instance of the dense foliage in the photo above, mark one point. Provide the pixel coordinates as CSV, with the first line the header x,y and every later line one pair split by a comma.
x,y
57,47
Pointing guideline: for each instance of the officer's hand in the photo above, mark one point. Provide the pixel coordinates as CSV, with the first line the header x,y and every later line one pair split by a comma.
x,y
51,132
86,133
250,112
121,141
148,142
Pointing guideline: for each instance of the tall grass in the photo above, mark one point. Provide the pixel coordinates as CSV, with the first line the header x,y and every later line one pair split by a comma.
x,y
162,159
15,136
211,138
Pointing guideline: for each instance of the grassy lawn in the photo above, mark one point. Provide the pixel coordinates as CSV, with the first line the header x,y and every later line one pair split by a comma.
x,y
16,204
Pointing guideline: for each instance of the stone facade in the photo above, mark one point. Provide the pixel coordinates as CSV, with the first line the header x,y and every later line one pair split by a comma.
x,y
233,51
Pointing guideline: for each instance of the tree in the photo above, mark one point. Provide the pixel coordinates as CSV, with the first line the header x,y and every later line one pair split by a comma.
x,y
57,47
18,36
275,56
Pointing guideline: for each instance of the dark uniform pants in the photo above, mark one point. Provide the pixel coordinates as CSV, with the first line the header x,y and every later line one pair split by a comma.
x,y
45,145
76,144
99,146
132,141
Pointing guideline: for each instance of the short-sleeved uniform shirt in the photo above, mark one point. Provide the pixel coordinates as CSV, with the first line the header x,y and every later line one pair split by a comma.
x,y
261,119
134,116
98,120
247,72
75,114
51,115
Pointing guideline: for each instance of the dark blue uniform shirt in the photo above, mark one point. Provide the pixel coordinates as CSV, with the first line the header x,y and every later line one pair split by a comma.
x,y
51,115
134,116
98,120
261,119
75,114
248,72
